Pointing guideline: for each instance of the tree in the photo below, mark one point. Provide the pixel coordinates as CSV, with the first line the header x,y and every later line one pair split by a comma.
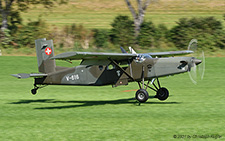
x,y
208,30
122,32
101,37
138,16
146,36
7,6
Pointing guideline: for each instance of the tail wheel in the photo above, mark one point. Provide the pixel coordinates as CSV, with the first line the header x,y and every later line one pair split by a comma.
x,y
34,91
162,94
142,95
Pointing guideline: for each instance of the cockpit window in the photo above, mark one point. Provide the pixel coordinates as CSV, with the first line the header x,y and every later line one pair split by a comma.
x,y
110,67
141,58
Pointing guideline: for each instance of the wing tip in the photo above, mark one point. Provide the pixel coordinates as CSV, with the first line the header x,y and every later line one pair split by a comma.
x,y
16,75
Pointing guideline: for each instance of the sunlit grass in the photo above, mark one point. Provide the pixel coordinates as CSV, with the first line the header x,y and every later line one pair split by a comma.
x,y
105,113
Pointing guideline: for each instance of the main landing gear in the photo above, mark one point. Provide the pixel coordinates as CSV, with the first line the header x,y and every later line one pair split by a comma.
x,y
142,94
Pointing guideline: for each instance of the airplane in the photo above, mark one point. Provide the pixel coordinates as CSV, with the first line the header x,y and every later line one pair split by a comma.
x,y
116,69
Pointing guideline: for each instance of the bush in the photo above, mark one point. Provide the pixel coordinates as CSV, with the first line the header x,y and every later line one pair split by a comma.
x,y
122,32
101,38
26,35
72,36
6,38
146,37
14,21
206,30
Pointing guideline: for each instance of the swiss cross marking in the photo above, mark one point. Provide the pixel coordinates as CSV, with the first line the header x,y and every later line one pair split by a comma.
x,y
48,51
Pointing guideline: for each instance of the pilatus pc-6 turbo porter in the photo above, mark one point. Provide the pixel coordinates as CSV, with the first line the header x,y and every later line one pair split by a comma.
x,y
98,69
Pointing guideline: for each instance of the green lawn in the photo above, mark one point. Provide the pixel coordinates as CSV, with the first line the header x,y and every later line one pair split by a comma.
x,y
105,113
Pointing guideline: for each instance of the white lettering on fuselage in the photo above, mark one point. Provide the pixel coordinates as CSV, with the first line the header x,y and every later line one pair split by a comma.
x,y
118,72
72,77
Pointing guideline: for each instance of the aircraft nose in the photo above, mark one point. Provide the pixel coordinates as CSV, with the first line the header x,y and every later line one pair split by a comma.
x,y
197,61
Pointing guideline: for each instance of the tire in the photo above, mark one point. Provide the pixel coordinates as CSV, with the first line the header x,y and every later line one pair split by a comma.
x,y
162,94
34,91
142,95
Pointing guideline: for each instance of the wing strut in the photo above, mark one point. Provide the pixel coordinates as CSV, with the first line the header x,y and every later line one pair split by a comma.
x,y
121,69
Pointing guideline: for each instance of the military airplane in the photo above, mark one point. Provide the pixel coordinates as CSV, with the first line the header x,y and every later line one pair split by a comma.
x,y
98,69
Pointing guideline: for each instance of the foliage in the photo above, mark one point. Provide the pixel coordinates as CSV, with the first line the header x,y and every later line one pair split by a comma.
x,y
71,35
7,40
30,32
6,36
147,34
206,30
14,21
122,32
101,38
10,11
161,37
209,32
220,39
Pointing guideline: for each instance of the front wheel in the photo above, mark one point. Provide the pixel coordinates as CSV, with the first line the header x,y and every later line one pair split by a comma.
x,y
162,94
142,95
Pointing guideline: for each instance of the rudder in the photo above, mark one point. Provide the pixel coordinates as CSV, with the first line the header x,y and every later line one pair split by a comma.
x,y
44,51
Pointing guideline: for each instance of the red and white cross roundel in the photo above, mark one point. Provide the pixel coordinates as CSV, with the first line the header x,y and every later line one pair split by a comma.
x,y
48,51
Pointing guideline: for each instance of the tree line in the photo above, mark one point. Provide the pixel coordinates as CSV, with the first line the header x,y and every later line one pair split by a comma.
x,y
209,31
124,31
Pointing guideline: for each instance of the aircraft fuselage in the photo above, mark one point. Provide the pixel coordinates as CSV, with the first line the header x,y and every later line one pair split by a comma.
x,y
108,73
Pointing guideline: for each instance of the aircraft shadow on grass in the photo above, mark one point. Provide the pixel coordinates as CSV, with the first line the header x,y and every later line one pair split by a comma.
x,y
86,103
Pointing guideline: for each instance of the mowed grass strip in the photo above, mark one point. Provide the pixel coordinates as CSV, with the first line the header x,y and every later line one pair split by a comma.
x,y
101,13
105,113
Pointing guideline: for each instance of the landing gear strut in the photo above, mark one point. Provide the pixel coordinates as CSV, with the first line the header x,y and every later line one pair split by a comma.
x,y
161,92
34,90
142,94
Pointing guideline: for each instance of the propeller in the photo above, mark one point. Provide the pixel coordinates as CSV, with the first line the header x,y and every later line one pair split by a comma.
x,y
197,70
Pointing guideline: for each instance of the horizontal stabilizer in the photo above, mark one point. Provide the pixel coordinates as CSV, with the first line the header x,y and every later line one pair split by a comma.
x,y
25,75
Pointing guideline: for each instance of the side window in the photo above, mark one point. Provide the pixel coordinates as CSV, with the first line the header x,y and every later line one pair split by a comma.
x,y
100,67
110,67
140,59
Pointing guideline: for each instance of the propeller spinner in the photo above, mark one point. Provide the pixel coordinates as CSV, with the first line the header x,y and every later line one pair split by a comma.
x,y
198,63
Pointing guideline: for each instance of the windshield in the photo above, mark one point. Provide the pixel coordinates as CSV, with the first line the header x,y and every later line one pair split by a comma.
x,y
141,58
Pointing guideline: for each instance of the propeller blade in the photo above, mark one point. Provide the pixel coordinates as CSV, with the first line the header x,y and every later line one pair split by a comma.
x,y
202,67
193,74
193,45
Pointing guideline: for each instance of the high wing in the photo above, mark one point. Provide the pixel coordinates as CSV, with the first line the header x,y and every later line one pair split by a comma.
x,y
170,53
113,56
93,56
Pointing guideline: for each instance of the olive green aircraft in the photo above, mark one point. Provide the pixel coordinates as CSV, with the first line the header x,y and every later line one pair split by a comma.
x,y
99,69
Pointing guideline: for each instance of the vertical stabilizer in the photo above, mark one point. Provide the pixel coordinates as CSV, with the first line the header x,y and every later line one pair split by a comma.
x,y
123,50
44,51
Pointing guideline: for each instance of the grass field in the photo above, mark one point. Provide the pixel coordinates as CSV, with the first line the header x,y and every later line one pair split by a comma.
x,y
105,113
100,13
